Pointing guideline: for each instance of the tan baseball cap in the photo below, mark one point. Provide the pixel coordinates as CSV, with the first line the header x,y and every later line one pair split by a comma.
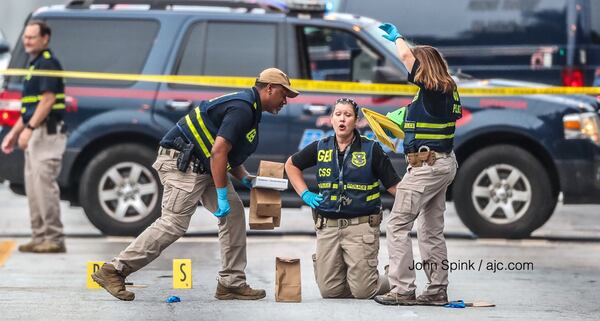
x,y
277,77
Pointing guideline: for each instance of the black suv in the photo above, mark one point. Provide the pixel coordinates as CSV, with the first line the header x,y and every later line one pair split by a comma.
x,y
515,152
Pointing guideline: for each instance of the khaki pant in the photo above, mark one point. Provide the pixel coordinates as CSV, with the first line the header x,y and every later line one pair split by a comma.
x,y
421,193
43,158
346,262
181,194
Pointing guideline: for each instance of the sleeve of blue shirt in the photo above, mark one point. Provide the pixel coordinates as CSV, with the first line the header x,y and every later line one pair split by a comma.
x,y
237,121
51,84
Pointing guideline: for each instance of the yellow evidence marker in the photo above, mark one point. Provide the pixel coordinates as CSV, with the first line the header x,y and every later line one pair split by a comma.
x,y
93,266
377,121
182,274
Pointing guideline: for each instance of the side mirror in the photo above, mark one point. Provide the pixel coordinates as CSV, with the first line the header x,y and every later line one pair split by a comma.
x,y
389,75
4,46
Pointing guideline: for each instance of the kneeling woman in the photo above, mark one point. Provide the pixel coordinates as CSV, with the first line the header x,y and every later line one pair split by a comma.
x,y
347,211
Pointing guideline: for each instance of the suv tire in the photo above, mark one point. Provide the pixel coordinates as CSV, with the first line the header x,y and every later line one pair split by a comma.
x,y
120,191
503,191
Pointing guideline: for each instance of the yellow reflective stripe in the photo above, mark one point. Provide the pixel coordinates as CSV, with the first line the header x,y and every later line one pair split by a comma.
x,y
334,197
433,136
361,187
190,125
324,185
34,99
328,185
57,96
373,197
58,106
29,99
436,126
204,129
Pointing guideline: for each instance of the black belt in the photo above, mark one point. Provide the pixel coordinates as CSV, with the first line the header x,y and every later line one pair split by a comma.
x,y
173,153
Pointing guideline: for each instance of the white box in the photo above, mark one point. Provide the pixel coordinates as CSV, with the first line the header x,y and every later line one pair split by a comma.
x,y
278,184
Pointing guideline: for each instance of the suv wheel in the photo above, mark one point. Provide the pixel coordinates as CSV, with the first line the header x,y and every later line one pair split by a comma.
x,y
120,191
503,191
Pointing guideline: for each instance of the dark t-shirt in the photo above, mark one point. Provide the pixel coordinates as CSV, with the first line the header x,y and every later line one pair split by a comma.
x,y
234,119
37,85
50,84
381,164
437,103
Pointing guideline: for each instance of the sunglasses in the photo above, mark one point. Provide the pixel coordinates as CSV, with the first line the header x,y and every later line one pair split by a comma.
x,y
348,101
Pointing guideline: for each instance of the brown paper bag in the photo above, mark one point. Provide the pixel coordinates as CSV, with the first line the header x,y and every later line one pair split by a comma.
x,y
265,205
287,280
259,222
267,202
271,169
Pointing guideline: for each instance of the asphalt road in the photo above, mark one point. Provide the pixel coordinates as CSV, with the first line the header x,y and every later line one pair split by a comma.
x,y
556,276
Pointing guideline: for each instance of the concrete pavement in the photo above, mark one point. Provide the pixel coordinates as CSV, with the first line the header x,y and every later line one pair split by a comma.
x,y
560,285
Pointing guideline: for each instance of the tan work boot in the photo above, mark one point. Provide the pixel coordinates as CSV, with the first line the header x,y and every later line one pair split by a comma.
x,y
113,281
50,247
438,299
28,247
392,298
244,292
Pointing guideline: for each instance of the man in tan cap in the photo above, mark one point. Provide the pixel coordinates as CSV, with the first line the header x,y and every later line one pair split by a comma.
x,y
193,160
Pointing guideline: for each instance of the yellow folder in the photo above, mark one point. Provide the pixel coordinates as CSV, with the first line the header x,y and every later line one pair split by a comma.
x,y
377,122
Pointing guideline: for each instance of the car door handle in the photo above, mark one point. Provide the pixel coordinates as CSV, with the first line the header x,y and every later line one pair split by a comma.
x,y
316,110
178,104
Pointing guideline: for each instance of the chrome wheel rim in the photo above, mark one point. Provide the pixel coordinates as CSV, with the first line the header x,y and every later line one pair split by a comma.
x,y
128,192
501,194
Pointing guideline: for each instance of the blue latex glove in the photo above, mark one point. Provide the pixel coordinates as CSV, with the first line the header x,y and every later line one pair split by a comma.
x,y
455,304
173,299
224,207
247,181
391,30
311,199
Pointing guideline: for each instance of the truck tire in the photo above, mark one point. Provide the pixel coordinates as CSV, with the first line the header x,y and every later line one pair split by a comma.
x,y
120,191
503,191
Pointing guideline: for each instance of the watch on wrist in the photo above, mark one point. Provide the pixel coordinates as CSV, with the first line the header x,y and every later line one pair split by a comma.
x,y
29,126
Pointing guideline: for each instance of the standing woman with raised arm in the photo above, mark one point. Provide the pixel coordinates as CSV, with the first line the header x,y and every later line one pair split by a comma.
x,y
429,127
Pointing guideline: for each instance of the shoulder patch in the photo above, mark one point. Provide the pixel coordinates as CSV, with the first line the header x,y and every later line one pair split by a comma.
x,y
47,55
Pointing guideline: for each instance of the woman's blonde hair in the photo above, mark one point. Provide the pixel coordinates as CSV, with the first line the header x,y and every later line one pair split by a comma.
x,y
433,71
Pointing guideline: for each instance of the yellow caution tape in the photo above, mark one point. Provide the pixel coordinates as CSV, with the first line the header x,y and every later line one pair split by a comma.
x,y
302,84
377,121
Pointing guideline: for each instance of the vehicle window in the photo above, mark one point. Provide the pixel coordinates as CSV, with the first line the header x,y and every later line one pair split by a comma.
x,y
471,22
229,49
102,45
334,54
239,49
